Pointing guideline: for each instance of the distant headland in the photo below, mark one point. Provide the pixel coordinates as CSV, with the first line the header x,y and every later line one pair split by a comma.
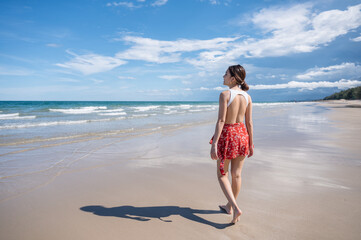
x,y
349,94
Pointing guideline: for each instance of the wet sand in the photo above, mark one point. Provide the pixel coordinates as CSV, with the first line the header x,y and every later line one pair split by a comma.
x,y
303,182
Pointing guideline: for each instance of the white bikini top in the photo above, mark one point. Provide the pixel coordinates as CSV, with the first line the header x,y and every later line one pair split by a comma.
x,y
234,93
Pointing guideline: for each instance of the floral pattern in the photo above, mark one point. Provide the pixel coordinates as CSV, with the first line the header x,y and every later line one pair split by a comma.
x,y
233,142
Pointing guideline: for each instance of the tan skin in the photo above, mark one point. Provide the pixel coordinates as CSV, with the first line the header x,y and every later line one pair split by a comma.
x,y
235,113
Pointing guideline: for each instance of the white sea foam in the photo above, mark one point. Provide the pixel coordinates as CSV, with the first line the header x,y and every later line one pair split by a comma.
x,y
169,108
171,112
185,106
111,110
82,110
139,115
207,106
54,123
4,116
276,104
112,114
42,124
23,117
14,116
144,109
204,108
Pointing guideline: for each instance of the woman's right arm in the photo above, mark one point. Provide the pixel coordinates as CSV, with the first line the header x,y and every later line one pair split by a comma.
x,y
223,98
249,125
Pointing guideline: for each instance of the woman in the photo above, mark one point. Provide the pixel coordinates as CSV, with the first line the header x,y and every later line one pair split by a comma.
x,y
232,141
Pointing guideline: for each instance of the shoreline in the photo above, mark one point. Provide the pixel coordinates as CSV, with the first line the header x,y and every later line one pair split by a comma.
x,y
341,103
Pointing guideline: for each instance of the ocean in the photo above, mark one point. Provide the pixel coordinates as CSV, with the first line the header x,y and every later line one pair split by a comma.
x,y
33,121
30,121
41,140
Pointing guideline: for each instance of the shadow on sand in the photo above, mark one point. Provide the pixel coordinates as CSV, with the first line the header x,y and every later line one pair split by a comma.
x,y
159,212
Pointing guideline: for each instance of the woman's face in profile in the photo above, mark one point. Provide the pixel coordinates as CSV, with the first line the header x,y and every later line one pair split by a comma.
x,y
227,79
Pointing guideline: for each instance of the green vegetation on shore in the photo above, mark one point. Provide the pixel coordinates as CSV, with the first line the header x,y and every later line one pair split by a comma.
x,y
349,94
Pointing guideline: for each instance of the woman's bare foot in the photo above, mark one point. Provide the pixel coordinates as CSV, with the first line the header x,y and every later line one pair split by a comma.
x,y
237,213
226,208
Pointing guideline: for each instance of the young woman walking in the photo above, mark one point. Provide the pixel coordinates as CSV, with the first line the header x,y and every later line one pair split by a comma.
x,y
233,140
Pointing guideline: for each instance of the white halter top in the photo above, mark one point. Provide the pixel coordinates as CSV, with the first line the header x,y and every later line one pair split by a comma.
x,y
234,93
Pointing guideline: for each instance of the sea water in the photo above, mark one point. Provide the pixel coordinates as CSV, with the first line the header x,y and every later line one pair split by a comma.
x,y
40,140
30,121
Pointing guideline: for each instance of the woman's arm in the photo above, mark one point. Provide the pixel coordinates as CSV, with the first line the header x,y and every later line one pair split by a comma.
x,y
220,122
249,125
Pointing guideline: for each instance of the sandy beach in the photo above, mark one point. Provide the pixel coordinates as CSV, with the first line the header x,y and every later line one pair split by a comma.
x,y
303,182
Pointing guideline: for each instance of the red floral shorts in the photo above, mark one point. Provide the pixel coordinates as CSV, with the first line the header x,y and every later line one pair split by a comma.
x,y
233,142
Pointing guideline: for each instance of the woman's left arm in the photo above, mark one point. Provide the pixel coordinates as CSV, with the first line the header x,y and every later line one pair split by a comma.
x,y
249,125
220,123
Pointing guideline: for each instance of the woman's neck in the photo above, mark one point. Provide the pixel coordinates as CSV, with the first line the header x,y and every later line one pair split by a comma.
x,y
234,87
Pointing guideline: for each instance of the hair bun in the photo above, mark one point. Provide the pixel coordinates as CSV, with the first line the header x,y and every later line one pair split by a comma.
x,y
244,86
239,73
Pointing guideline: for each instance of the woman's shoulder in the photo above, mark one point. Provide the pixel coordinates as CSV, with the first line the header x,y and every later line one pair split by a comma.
x,y
225,95
249,98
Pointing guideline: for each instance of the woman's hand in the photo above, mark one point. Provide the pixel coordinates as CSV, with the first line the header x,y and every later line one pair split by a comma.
x,y
250,153
214,152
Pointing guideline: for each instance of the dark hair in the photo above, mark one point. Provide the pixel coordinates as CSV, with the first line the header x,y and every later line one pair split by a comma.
x,y
238,72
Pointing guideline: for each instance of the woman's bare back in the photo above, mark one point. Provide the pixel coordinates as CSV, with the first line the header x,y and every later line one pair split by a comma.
x,y
237,109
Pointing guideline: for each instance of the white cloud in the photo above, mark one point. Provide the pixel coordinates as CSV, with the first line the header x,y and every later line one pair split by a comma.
x,y
158,51
158,3
212,60
53,45
357,39
91,63
217,2
290,30
220,88
172,77
126,77
283,19
186,82
125,4
96,81
343,70
295,29
211,89
341,84
186,89
131,5
271,76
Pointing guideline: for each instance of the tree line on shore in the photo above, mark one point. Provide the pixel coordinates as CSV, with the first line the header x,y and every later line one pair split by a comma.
x,y
349,94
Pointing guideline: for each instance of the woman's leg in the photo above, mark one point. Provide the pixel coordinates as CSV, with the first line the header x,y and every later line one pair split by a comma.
x,y
236,170
227,189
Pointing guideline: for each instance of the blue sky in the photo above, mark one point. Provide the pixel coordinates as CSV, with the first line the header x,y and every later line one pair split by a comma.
x,y
177,50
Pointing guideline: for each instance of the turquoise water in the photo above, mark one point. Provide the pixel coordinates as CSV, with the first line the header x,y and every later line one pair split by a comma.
x,y
28,121
24,120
